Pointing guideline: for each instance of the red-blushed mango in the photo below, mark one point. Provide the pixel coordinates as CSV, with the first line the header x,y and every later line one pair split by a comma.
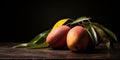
x,y
57,38
77,39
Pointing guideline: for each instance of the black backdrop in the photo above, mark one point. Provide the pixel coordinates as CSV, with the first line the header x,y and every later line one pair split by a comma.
x,y
23,20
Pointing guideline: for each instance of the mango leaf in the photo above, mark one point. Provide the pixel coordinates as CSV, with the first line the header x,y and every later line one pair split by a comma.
x,y
42,45
103,36
91,31
109,32
80,19
60,23
22,45
39,40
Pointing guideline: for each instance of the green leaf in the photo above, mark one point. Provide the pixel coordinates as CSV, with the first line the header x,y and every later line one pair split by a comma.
x,y
92,33
42,45
22,45
109,32
39,40
103,36
80,19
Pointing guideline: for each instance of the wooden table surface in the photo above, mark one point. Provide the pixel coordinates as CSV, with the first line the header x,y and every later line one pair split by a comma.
x,y
100,52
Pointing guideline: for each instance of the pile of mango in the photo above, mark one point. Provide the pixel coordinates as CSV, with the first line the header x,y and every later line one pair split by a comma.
x,y
76,35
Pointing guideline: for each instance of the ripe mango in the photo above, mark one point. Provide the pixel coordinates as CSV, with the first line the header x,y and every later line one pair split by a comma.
x,y
77,39
57,38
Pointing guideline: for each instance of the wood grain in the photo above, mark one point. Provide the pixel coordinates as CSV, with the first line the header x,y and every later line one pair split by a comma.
x,y
100,52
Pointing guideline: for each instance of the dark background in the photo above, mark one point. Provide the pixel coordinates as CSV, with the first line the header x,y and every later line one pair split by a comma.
x,y
22,20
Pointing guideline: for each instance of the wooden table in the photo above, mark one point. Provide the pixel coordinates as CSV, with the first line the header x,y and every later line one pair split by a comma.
x,y
100,52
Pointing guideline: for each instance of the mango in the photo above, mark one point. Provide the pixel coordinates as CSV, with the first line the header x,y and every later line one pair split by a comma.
x,y
57,37
77,39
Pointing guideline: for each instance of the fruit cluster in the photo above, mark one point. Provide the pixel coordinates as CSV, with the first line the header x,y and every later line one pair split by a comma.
x,y
76,35
75,38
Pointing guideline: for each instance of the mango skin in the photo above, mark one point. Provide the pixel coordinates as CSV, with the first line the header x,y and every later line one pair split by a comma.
x,y
77,39
57,38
